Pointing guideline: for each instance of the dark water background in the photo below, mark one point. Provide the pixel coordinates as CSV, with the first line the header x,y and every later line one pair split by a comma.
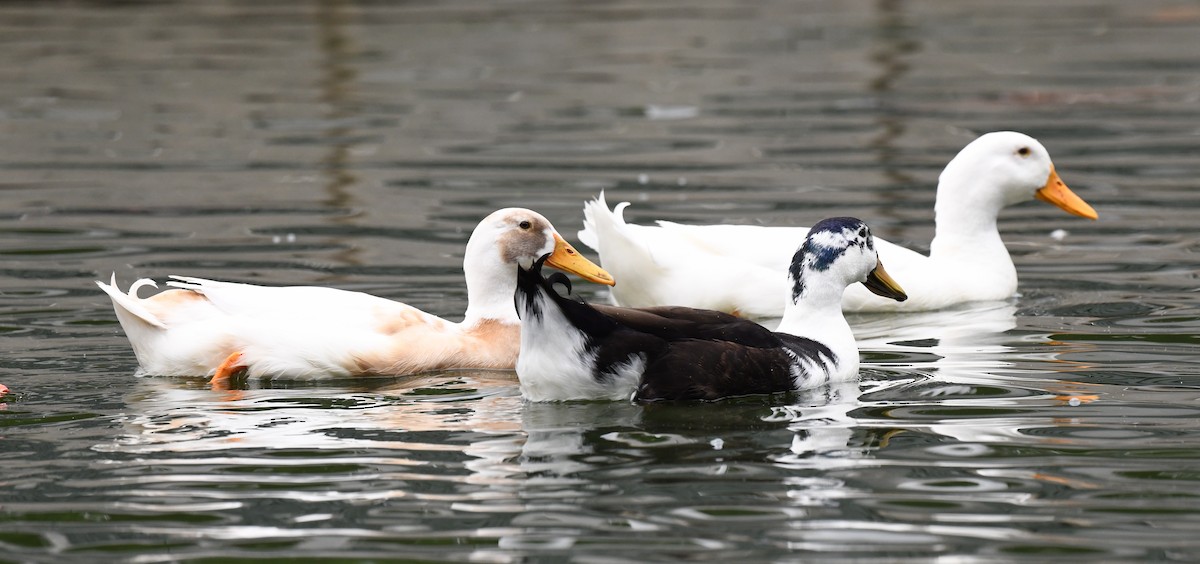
x,y
355,144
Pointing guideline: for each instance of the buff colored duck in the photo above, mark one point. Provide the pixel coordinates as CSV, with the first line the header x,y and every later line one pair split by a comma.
x,y
205,327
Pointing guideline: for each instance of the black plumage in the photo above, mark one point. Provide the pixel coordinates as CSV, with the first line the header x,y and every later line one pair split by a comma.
x,y
688,354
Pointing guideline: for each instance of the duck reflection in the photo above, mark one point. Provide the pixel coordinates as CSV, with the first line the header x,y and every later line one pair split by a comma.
x,y
185,415
952,377
979,324
967,346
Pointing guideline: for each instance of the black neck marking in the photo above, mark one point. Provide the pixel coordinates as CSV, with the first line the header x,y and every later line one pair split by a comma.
x,y
528,282
531,283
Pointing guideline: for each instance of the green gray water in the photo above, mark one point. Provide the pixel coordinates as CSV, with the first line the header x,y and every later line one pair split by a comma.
x,y
356,144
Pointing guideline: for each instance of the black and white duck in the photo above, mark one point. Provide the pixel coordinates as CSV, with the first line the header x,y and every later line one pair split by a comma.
x,y
571,350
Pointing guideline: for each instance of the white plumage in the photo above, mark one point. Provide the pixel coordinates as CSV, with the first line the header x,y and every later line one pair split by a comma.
x,y
204,327
737,268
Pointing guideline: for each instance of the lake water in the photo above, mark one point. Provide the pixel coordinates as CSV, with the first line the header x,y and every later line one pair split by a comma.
x,y
356,145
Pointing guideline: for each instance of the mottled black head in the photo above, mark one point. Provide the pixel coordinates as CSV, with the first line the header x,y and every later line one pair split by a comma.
x,y
827,242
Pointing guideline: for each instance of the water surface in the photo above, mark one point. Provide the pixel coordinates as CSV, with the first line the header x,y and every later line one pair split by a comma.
x,y
356,145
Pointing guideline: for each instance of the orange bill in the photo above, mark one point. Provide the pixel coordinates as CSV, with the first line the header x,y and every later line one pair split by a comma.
x,y
880,283
1057,193
567,259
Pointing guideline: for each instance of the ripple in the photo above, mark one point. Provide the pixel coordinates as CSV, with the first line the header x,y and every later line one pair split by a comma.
x,y
624,147
357,145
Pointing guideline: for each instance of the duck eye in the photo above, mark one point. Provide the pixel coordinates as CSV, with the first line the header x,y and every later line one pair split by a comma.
x,y
862,232
1023,151
525,224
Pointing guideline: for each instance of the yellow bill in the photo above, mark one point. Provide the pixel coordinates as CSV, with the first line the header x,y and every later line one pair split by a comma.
x,y
880,283
1057,193
567,259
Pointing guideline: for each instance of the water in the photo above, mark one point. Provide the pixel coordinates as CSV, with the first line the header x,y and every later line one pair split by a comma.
x,y
356,144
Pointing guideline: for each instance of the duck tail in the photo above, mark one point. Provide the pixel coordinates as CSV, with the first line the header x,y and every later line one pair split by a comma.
x,y
591,210
622,246
130,311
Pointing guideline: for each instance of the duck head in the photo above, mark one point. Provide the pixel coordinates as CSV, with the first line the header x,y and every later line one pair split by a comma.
x,y
838,252
520,236
516,236
1000,169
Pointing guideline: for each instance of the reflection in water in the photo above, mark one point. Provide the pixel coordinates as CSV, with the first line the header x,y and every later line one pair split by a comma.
x,y
978,324
466,444
826,433
964,353
337,87
170,414
123,124
893,44
966,342
958,349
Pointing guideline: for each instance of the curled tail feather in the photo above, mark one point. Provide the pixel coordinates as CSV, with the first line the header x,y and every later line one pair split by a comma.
x,y
615,240
626,252
599,222
130,302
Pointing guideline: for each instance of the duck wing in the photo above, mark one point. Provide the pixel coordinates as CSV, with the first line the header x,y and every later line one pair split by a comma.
x,y
695,369
768,247
676,322
328,305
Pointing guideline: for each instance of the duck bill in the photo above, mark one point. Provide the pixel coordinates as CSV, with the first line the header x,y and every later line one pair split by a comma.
x,y
567,259
1056,192
880,283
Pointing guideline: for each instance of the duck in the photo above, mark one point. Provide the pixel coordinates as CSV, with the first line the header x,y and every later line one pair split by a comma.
x,y
735,268
573,350
203,327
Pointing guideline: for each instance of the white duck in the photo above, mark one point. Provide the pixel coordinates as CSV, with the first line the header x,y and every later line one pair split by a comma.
x,y
222,328
735,268
571,350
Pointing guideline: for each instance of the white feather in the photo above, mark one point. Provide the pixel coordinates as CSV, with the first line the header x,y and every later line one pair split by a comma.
x,y
732,267
312,332
660,267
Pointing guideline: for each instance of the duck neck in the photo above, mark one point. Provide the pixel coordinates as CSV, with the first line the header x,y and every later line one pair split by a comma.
x,y
490,287
816,314
965,221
